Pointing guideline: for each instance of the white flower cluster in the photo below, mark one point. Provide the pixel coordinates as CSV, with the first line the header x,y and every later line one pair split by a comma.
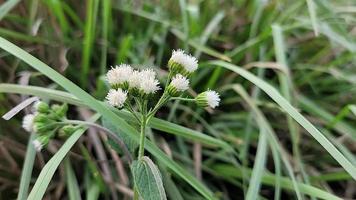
x,y
188,62
125,81
124,77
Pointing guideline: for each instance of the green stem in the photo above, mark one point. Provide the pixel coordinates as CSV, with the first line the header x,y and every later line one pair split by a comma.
x,y
182,99
142,137
141,150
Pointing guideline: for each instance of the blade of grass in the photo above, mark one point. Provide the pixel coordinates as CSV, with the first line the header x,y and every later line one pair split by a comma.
x,y
89,35
72,183
27,169
313,16
7,7
274,94
121,124
258,167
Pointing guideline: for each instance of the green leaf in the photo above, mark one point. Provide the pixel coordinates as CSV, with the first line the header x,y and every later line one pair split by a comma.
x,y
119,122
148,180
285,105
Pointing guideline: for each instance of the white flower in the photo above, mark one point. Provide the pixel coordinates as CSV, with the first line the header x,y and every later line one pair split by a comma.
x,y
208,98
116,97
27,122
213,98
119,74
149,85
135,79
180,83
189,62
148,74
37,144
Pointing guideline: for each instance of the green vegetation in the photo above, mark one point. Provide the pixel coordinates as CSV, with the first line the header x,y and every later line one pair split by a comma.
x,y
285,72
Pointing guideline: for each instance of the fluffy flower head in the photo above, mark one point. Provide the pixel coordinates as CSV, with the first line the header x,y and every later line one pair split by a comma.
x,y
149,85
208,98
189,62
148,74
180,83
135,79
117,97
119,75
213,98
38,145
28,122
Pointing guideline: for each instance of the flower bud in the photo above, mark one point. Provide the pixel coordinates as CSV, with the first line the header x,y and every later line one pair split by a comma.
x,y
27,122
60,110
66,131
41,107
182,63
178,85
40,142
42,118
208,98
41,128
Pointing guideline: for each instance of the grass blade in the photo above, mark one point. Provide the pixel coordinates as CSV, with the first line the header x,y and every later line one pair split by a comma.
x,y
7,6
27,170
259,166
72,183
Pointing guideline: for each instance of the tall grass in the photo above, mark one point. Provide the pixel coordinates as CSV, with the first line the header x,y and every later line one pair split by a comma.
x,y
284,69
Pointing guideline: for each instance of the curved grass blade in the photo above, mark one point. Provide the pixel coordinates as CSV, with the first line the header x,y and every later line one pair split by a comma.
x,y
274,94
120,123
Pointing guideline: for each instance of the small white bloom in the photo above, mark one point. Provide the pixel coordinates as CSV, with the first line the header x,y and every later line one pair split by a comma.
x,y
213,98
189,62
149,85
116,97
180,82
38,145
135,79
119,74
148,74
27,122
